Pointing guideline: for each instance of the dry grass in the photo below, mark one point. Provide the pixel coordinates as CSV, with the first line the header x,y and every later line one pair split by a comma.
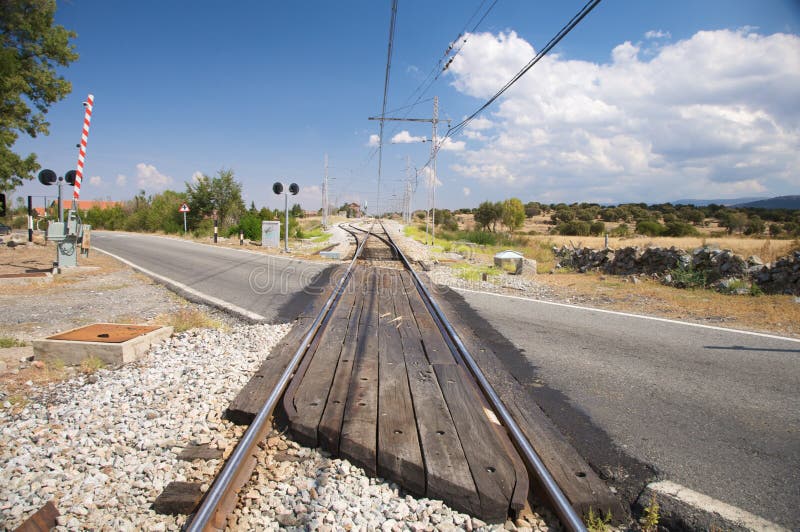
x,y
7,341
91,365
186,319
770,313
15,385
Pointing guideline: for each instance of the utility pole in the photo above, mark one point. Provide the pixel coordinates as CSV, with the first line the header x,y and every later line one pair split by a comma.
x,y
434,151
434,147
406,192
325,196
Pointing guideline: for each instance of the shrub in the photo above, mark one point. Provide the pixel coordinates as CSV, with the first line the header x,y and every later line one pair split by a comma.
x,y
620,230
597,228
680,229
650,228
688,278
574,228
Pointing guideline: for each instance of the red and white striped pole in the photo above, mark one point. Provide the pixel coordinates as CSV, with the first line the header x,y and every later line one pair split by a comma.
x,y
87,119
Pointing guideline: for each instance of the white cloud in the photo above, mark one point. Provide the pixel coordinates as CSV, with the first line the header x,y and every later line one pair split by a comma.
x,y
149,178
121,180
467,191
479,123
657,34
404,137
196,176
716,111
427,175
448,144
96,181
373,140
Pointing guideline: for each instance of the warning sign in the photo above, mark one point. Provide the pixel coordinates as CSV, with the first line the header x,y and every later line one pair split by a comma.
x,y
184,208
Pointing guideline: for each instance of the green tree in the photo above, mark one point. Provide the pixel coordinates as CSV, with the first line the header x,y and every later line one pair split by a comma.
x,y
563,214
513,214
221,193
31,48
533,208
734,221
487,215
755,226
296,211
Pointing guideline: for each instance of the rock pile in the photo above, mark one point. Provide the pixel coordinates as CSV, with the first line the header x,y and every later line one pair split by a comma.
x,y
717,267
780,277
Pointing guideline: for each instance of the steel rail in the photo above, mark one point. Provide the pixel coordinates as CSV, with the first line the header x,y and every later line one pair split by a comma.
x,y
569,517
390,244
207,516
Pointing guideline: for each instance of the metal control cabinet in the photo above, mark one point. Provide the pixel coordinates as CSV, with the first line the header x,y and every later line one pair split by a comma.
x,y
270,234
68,237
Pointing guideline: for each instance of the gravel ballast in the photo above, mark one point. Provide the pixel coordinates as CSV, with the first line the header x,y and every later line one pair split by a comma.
x,y
103,446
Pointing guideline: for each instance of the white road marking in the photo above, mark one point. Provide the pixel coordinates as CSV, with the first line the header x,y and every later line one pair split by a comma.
x,y
640,316
218,247
196,293
731,514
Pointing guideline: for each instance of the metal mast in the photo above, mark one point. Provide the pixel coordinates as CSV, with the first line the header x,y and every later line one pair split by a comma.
x,y
325,195
434,148
434,151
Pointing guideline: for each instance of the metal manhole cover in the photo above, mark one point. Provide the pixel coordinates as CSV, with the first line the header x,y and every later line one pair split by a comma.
x,y
105,332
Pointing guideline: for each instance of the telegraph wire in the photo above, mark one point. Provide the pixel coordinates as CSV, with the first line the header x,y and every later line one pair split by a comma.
x,y
440,67
549,46
392,25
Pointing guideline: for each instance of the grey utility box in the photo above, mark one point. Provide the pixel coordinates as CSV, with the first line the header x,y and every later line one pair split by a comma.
x,y
510,261
270,234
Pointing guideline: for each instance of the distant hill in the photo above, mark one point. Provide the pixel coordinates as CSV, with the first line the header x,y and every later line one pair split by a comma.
x,y
727,202
780,202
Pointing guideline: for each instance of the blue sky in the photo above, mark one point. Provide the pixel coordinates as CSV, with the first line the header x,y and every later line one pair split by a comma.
x,y
643,101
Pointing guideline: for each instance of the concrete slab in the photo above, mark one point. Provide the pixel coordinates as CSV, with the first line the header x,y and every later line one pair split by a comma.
x,y
330,255
73,352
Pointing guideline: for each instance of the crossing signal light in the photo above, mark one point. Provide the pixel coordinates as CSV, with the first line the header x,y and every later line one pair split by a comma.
x,y
69,177
277,188
47,177
294,189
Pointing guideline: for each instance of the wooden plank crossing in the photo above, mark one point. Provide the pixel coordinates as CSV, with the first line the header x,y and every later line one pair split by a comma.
x,y
381,388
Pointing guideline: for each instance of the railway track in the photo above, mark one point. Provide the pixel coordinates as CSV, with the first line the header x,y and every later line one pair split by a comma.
x,y
375,247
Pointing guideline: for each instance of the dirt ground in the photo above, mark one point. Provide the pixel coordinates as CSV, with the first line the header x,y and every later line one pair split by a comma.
x,y
27,258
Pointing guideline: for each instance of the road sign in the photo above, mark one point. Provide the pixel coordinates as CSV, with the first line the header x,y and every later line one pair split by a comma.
x,y
184,208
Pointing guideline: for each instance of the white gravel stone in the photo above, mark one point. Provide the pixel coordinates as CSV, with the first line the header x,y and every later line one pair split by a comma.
x,y
103,448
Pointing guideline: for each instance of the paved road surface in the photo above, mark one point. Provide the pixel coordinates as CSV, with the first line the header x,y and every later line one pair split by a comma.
x,y
715,411
274,288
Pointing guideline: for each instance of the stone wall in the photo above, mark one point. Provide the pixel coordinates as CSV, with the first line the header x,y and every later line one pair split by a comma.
x,y
718,266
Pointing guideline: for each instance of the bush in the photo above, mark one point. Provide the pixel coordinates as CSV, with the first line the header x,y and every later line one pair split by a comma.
x,y
650,228
574,228
680,229
688,278
620,231
250,225
483,238
597,228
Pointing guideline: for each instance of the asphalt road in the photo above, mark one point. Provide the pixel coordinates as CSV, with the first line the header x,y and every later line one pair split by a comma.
x,y
715,411
276,289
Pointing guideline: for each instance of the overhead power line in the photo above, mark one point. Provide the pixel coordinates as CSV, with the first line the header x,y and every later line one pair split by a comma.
x,y
441,65
549,46
392,25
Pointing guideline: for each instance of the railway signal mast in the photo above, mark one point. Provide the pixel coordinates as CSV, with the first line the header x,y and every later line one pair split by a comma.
x,y
434,151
